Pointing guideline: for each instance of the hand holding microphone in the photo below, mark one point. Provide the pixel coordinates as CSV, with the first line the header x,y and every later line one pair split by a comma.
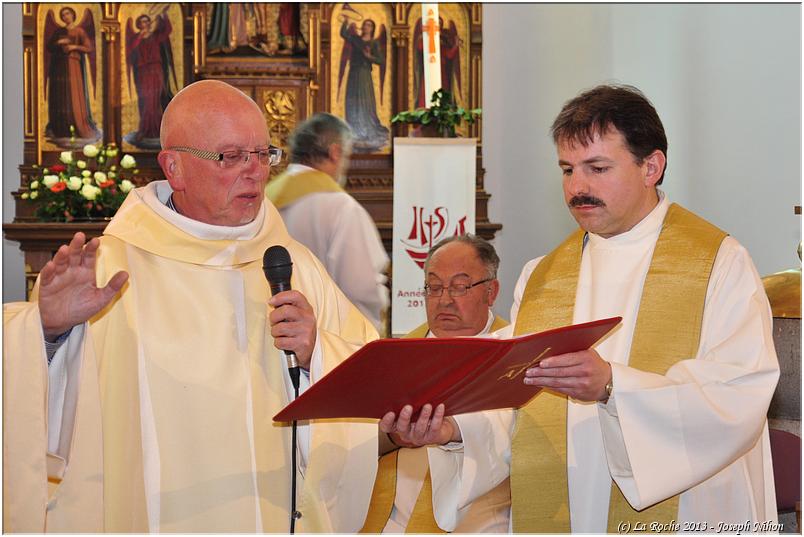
x,y
292,321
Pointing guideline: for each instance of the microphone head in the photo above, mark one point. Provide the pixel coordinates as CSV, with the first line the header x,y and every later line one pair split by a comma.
x,y
278,267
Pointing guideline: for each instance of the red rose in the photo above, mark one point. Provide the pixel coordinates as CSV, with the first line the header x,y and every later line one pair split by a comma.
x,y
106,184
58,168
58,187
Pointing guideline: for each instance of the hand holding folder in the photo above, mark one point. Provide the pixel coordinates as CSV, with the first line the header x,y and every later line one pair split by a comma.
x,y
466,374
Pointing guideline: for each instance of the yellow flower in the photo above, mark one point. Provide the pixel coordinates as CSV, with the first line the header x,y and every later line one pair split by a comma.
x,y
90,192
24,195
34,185
50,180
34,195
126,185
91,150
81,164
128,162
87,180
86,173
99,177
66,157
74,183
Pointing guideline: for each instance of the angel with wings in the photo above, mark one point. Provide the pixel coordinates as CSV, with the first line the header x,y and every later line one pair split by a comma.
x,y
361,50
450,44
70,60
149,56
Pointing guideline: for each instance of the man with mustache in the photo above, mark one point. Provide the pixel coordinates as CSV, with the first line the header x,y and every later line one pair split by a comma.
x,y
662,425
320,214
149,409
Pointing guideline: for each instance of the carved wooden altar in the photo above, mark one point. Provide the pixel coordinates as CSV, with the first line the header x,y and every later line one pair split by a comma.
x,y
287,87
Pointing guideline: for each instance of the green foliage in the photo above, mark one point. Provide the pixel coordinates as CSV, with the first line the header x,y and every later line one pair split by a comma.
x,y
444,114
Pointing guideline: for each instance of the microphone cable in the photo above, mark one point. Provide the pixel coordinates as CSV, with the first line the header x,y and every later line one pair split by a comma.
x,y
294,514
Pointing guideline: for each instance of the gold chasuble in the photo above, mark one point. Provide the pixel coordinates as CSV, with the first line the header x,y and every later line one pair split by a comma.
x,y
179,380
667,330
383,497
289,187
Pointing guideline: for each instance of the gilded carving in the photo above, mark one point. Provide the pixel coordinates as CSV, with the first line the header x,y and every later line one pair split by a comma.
x,y
280,107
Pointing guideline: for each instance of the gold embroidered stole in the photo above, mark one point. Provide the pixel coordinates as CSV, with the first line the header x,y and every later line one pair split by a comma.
x,y
667,331
422,519
289,187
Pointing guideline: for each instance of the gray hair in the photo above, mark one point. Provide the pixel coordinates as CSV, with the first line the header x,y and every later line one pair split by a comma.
x,y
312,138
483,248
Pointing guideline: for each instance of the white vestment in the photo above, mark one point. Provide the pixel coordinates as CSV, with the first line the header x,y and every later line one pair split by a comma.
x,y
169,429
341,233
483,515
699,430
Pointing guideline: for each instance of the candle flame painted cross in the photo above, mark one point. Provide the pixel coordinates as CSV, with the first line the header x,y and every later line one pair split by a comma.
x,y
432,31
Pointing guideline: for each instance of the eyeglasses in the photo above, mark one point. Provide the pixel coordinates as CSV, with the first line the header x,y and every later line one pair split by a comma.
x,y
458,289
237,157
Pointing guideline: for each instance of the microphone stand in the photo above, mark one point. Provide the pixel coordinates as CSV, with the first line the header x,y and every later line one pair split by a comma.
x,y
294,514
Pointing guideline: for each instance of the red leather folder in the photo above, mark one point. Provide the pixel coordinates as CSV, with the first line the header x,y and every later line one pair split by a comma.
x,y
466,374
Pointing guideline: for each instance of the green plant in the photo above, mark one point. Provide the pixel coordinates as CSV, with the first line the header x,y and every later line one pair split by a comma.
x,y
90,187
444,114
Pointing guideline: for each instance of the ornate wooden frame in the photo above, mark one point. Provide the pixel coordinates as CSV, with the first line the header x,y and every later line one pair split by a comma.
x,y
288,89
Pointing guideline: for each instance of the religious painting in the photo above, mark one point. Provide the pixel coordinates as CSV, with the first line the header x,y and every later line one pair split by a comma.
x,y
453,37
71,100
361,73
257,28
152,67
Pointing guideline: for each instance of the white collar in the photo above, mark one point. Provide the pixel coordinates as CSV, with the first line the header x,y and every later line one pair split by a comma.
x,y
156,194
294,168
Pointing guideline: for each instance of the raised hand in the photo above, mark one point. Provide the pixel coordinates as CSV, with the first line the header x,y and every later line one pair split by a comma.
x,y
431,428
293,325
68,295
581,375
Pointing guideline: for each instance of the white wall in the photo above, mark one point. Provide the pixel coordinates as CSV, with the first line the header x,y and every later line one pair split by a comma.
x,y
725,80
13,261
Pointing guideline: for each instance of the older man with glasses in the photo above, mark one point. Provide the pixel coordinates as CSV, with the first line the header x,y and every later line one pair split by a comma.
x,y
141,380
460,288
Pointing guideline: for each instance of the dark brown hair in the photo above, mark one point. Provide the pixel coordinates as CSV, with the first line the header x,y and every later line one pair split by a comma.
x,y
624,108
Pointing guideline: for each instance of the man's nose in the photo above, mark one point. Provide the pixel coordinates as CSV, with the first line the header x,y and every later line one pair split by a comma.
x,y
577,183
446,298
252,167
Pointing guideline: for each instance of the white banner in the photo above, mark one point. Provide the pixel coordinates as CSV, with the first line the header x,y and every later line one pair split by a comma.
x,y
434,198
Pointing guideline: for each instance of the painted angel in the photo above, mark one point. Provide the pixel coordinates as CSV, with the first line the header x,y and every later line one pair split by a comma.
x,y
69,55
450,44
149,56
362,51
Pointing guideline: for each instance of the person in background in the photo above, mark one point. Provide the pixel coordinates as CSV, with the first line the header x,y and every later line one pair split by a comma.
x,y
460,289
320,214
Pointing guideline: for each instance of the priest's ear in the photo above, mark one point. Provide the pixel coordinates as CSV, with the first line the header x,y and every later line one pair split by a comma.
x,y
493,291
335,153
170,163
654,165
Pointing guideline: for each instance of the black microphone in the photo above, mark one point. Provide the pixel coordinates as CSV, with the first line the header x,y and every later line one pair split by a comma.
x,y
278,267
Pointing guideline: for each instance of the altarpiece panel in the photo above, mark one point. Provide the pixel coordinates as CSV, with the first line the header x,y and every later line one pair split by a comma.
x,y
104,72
